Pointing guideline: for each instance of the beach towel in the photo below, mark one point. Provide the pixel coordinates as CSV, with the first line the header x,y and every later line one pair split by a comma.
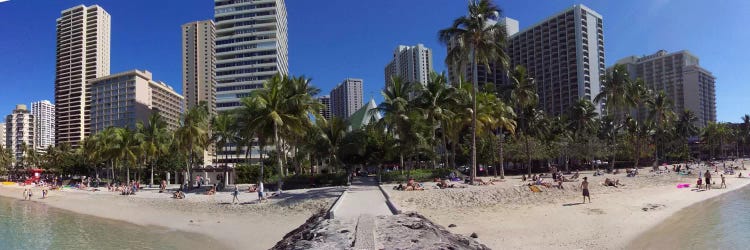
x,y
683,185
535,189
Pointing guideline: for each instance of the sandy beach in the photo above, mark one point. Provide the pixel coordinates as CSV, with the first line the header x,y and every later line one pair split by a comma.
x,y
509,216
248,225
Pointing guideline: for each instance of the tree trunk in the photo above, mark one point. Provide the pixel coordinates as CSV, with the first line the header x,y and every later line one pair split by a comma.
x,y
475,79
278,155
401,162
128,173
528,153
151,184
445,146
501,165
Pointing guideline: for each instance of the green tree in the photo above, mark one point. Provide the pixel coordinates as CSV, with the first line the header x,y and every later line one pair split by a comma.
x,y
156,140
494,118
193,136
475,39
614,93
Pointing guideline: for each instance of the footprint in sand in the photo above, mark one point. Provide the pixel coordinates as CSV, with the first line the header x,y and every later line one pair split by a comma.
x,y
594,211
651,207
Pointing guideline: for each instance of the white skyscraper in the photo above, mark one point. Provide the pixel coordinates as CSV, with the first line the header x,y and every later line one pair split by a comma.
x,y
251,47
19,131
44,124
2,134
410,63
346,98
83,35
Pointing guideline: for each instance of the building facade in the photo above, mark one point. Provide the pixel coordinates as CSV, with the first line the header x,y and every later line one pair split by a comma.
x,y
199,64
2,134
83,53
121,100
251,47
44,124
346,98
411,64
19,131
325,111
680,76
565,55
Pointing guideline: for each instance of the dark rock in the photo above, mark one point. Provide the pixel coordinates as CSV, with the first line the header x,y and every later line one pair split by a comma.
x,y
452,225
191,221
344,231
474,235
416,225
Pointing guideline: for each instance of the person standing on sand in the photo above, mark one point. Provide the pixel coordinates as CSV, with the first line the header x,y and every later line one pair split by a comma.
x,y
708,179
260,192
585,188
723,182
234,195
25,193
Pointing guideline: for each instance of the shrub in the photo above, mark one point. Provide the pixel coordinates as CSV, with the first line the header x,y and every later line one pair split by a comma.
x,y
306,181
251,173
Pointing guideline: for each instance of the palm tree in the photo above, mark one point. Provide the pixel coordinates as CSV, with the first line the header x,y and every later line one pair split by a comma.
x,y
661,114
434,99
156,140
332,133
396,109
745,132
193,135
224,133
582,121
129,150
476,38
494,117
614,94
283,104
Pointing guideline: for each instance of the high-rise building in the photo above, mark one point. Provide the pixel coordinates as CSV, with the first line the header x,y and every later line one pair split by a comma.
x,y
410,63
346,98
199,64
563,53
44,124
122,99
494,74
83,35
251,47
19,131
2,134
325,111
680,76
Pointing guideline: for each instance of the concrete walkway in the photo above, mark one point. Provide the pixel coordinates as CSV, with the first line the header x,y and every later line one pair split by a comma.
x,y
363,198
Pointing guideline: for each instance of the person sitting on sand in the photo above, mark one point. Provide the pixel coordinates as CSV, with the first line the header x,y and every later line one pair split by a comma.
x,y
534,178
400,187
444,184
178,195
252,188
611,183
211,191
482,182
523,177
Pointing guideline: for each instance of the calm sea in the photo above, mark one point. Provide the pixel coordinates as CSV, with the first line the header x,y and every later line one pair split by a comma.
x,y
31,225
719,223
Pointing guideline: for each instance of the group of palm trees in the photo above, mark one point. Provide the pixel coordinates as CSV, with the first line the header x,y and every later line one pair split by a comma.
x,y
424,125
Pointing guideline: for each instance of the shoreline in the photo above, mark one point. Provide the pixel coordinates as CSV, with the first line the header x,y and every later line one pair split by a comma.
x,y
243,226
514,218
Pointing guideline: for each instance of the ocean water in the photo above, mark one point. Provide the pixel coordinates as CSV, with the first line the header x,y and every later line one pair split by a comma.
x,y
722,222
32,225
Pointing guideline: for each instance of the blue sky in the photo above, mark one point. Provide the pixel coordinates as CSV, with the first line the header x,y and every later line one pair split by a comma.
x,y
334,39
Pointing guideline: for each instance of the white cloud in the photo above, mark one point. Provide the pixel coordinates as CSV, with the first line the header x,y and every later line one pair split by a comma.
x,y
4,1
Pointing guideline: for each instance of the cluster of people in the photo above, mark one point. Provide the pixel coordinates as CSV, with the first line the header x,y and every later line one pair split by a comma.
x,y
411,185
612,182
708,182
124,189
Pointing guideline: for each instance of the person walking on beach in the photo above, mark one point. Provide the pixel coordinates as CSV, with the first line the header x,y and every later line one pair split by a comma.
x,y
723,182
25,193
585,188
260,192
30,194
234,194
708,179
